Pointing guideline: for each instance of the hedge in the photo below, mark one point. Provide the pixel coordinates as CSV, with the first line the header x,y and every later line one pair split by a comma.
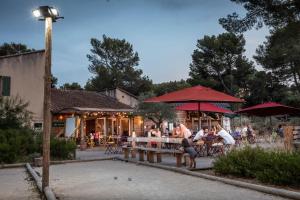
x,y
18,145
274,167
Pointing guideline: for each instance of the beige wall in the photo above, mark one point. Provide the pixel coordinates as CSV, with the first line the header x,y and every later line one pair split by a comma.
x,y
125,98
26,72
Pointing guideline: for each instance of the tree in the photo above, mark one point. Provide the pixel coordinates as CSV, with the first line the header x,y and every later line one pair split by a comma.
x,y
156,112
264,87
71,86
113,63
217,60
273,13
54,81
280,54
166,87
14,113
13,48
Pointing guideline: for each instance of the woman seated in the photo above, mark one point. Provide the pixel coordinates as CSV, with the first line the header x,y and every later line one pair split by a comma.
x,y
228,139
190,150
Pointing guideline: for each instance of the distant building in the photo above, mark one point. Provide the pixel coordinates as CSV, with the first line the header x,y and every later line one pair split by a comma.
x,y
122,95
22,75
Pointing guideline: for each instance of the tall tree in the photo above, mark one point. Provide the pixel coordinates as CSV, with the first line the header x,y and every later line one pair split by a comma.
x,y
71,86
280,54
114,62
273,13
217,59
13,48
263,87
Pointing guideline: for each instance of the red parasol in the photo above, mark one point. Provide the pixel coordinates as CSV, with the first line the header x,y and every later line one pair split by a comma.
x,y
269,109
195,94
205,107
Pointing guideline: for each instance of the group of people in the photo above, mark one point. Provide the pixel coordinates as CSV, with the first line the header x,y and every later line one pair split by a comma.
x,y
188,139
244,133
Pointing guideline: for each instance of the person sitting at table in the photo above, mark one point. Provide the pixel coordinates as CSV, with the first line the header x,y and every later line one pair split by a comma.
x,y
176,131
198,135
185,132
190,150
228,139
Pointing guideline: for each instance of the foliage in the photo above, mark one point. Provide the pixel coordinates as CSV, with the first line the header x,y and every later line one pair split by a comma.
x,y
15,144
13,113
280,54
156,112
218,62
71,86
13,48
263,87
61,148
275,167
166,87
54,81
273,13
113,63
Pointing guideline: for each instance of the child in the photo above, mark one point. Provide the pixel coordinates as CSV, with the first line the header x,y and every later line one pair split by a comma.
x,y
190,150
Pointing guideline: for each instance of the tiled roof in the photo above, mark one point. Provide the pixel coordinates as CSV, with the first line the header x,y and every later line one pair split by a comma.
x,y
84,100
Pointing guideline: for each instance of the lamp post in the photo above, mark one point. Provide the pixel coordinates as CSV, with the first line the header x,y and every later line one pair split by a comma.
x,y
49,15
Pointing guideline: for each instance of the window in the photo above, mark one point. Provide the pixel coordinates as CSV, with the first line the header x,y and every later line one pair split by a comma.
x,y
4,86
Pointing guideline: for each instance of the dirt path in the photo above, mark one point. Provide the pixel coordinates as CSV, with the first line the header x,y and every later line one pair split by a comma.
x,y
15,183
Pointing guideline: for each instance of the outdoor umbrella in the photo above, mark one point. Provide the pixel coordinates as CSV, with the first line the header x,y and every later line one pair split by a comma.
x,y
196,94
269,109
205,107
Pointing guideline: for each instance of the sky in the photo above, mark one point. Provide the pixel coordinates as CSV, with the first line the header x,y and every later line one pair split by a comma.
x,y
163,32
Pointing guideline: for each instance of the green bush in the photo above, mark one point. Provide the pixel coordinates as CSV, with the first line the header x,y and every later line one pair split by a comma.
x,y
275,167
16,144
61,148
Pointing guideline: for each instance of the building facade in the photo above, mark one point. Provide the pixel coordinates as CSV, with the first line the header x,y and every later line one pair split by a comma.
x,y
21,76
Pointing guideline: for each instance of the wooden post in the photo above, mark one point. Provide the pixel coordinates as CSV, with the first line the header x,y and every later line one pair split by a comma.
x,y
288,138
82,135
105,127
47,102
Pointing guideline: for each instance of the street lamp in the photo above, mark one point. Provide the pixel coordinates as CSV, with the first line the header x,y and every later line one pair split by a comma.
x,y
49,15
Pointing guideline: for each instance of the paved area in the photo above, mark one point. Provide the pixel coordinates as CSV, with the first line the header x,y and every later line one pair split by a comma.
x,y
15,184
114,180
97,153
94,153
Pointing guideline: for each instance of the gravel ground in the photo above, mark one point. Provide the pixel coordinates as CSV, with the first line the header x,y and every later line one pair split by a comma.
x,y
121,180
15,183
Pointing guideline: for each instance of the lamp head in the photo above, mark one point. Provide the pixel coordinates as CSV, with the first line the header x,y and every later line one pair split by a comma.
x,y
43,12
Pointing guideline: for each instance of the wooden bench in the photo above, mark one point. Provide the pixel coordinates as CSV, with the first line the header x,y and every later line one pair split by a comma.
x,y
151,152
127,150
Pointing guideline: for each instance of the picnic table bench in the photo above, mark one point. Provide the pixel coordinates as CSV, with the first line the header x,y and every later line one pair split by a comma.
x,y
151,152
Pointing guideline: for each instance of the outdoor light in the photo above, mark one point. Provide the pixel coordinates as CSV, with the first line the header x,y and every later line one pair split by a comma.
x,y
36,13
49,15
43,12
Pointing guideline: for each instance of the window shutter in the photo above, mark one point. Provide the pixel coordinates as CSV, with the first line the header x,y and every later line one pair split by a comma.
x,y
5,86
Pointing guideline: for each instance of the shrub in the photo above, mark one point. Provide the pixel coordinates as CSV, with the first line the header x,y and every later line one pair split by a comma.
x,y
16,144
61,148
275,167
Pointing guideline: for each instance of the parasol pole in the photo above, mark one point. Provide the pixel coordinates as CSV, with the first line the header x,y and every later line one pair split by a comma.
x,y
199,122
